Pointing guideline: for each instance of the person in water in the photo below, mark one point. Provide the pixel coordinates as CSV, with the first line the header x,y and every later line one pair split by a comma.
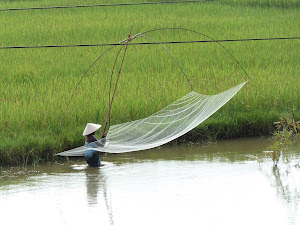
x,y
91,142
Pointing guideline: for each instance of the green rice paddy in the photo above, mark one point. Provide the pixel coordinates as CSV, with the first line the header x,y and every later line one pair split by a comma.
x,y
37,84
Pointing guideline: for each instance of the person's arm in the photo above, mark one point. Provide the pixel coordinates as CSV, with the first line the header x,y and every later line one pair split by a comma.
x,y
100,143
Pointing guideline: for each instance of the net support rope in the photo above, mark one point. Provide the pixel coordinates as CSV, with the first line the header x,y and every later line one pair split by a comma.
x,y
162,127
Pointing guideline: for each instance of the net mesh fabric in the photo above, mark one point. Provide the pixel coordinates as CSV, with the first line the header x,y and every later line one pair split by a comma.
x,y
162,127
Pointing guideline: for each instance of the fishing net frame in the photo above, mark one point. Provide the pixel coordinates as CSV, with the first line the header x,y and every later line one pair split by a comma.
x,y
163,126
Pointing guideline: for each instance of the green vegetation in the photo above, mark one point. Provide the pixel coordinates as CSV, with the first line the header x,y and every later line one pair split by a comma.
x,y
36,84
287,132
281,4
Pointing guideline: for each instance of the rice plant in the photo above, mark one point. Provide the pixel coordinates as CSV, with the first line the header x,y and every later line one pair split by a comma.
x,y
36,84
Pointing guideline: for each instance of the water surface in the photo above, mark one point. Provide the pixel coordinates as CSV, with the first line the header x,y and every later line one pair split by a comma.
x,y
217,183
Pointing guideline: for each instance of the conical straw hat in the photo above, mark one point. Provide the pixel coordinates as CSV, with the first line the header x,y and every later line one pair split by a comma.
x,y
90,128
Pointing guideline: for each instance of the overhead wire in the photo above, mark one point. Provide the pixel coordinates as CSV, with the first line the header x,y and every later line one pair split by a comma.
x,y
150,43
105,5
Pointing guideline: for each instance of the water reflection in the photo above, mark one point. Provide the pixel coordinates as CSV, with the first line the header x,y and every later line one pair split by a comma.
x,y
231,150
93,179
96,184
219,183
285,179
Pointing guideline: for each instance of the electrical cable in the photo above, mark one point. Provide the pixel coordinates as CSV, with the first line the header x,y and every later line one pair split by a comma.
x,y
105,5
151,43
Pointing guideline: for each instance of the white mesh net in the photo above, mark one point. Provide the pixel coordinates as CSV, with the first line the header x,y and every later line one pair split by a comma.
x,y
162,127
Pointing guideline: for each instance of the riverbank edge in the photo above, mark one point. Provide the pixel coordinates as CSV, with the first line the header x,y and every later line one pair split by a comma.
x,y
210,131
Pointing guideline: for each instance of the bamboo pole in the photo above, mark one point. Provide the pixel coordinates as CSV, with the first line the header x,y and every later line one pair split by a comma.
x,y
112,98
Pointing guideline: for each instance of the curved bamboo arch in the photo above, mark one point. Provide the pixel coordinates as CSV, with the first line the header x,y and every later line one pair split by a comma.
x,y
128,40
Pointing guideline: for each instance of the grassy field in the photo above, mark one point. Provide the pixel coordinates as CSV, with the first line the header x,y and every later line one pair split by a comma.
x,y
36,84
